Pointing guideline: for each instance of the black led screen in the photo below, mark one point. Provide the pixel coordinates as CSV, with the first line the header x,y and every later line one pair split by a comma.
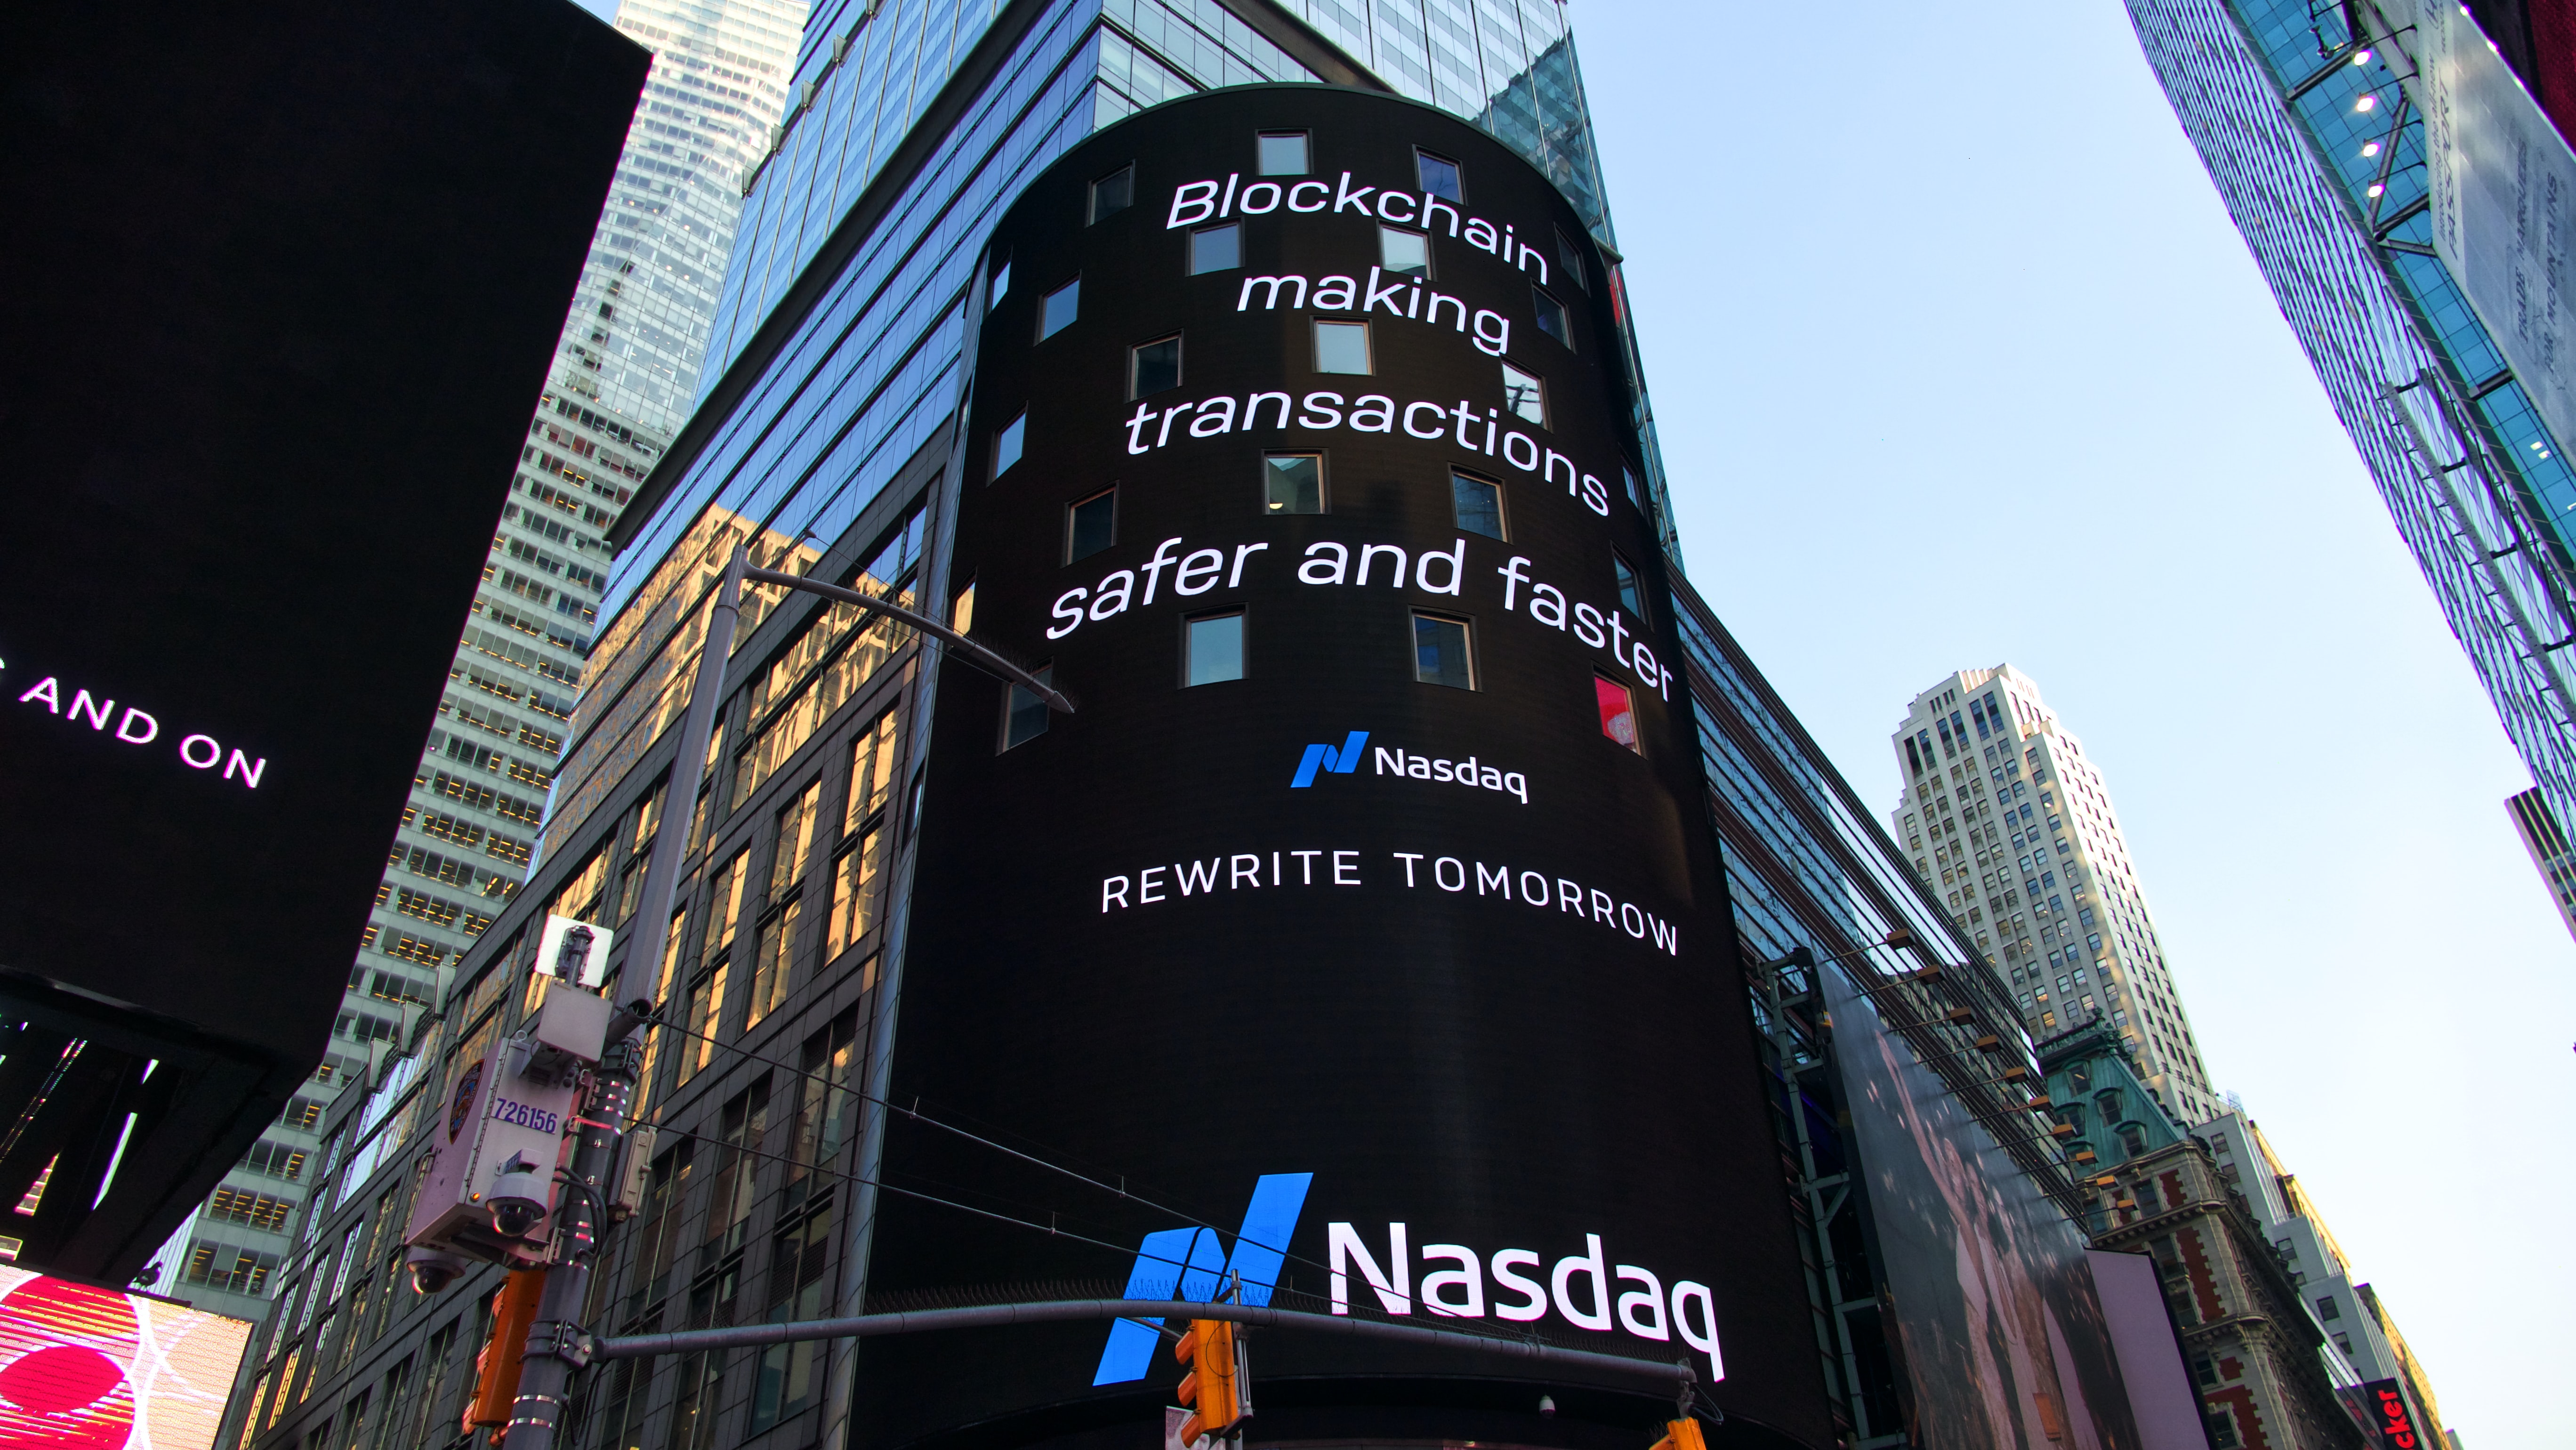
x,y
284,284
1368,901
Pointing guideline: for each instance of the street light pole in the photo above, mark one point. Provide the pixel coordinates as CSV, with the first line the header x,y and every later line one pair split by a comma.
x,y
557,1343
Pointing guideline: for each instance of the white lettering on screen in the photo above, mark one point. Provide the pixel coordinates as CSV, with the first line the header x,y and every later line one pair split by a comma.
x,y
1586,1290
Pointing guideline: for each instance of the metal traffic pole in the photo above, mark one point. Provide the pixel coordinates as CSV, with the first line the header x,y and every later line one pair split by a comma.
x,y
557,1344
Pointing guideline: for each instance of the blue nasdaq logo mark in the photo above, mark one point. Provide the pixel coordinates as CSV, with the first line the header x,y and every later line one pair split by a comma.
x,y
1189,1263
1325,757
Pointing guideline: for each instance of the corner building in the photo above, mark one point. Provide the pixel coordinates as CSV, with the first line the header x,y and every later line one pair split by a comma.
x,y
1531,1048
2006,817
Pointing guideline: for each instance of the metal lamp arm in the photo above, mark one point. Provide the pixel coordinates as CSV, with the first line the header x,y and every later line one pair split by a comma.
x,y
1054,698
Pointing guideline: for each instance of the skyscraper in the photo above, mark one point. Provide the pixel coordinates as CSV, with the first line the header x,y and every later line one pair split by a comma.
x,y
2551,854
2403,195
2012,825
625,370
1002,190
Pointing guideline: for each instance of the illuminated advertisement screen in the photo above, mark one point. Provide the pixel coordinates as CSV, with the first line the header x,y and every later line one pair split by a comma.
x,y
90,1369
302,272
1365,919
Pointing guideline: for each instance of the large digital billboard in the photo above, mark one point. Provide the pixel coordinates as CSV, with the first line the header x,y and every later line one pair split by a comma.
x,y
1366,911
97,1370
286,280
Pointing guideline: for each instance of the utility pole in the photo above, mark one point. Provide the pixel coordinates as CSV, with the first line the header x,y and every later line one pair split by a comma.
x,y
557,1342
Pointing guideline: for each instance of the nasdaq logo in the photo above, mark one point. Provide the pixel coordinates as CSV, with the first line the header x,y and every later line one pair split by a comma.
x,y
1191,1264
1325,757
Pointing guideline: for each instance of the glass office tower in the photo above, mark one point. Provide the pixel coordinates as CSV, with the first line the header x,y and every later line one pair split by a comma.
x,y
625,372
2312,121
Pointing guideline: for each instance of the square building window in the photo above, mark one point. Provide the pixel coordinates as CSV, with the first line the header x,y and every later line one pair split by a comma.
x,y
1441,654
1001,286
1342,347
1439,176
1402,253
1154,367
1212,649
1281,153
1618,710
1216,249
1059,310
1632,596
1007,444
1477,503
1551,317
1524,396
1572,256
1111,194
1024,715
1292,483
1091,525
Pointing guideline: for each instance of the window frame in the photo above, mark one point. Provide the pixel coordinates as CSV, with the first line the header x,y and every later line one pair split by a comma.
x,y
1306,146
1457,174
1011,696
1014,437
1092,215
1388,229
1502,508
1136,366
1543,303
1072,513
1046,305
1234,228
1538,387
1242,644
1323,483
1467,634
1368,346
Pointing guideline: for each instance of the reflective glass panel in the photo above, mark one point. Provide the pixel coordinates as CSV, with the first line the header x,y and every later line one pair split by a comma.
x,y
1440,652
1061,307
1283,153
1153,367
1405,253
1478,503
1092,525
1216,249
1342,347
1293,483
1214,649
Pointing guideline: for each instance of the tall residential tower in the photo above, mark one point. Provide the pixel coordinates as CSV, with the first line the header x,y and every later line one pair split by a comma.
x,y
2011,824
625,371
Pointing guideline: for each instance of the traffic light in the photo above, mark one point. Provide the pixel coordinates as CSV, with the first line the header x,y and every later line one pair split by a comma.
x,y
1210,1390
1681,1435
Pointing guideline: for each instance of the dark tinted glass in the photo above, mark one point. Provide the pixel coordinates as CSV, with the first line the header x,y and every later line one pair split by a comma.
x,y
1572,257
1092,525
1061,307
1551,317
1440,652
1216,249
1293,483
1479,505
1025,717
1630,596
1111,194
1439,175
1157,366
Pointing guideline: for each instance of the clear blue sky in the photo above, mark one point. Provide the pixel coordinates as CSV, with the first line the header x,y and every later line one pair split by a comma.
x,y
1959,362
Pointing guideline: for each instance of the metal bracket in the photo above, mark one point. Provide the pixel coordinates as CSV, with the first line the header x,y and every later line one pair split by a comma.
x,y
567,1342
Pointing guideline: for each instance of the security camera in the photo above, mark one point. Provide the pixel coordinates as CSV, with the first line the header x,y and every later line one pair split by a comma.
x,y
432,1270
518,1199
